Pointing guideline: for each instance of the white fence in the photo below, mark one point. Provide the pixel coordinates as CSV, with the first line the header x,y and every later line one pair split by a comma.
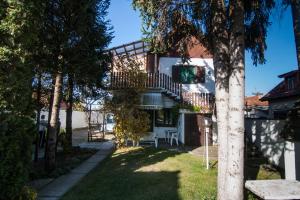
x,y
265,135
79,119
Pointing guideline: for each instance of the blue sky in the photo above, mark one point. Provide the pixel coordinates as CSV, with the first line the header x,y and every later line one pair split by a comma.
x,y
280,55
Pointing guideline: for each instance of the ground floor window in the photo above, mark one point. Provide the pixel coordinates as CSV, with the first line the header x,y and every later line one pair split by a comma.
x,y
163,117
150,113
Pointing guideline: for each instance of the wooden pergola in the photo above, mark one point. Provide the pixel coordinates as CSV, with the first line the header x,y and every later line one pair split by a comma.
x,y
136,49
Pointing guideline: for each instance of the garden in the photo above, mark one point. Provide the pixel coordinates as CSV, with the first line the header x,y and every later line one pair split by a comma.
x,y
145,173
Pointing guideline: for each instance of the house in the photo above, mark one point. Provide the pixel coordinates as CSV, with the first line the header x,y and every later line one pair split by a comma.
x,y
170,82
255,108
283,97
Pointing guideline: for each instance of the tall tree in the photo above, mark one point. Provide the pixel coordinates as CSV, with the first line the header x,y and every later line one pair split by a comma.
x,y
75,34
295,4
235,143
19,22
87,63
217,25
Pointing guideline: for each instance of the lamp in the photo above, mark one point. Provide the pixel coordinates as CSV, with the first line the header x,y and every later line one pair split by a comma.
x,y
207,125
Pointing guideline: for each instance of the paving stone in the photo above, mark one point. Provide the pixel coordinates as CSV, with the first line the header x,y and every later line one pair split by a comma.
x,y
40,183
58,187
96,158
85,168
48,198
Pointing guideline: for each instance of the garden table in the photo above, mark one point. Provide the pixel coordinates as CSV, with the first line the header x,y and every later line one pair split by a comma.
x,y
274,189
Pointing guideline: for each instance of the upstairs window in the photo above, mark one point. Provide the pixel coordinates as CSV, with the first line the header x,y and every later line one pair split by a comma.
x,y
188,74
291,83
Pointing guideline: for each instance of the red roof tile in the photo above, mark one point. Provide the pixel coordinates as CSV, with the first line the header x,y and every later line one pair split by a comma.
x,y
255,101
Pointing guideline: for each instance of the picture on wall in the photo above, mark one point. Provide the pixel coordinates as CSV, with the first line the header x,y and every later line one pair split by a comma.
x,y
188,74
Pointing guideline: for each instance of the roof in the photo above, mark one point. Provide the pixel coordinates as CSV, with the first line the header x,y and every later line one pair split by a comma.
x,y
280,91
288,74
254,101
140,48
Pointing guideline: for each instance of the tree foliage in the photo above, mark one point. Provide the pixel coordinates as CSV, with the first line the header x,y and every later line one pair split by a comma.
x,y
74,35
131,122
19,23
173,24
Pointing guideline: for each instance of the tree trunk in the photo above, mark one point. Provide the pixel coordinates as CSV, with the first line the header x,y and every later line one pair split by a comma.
x,y
235,155
51,143
38,115
90,138
221,61
49,113
295,4
69,112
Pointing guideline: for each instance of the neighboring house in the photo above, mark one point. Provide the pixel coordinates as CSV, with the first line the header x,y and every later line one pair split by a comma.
x,y
283,97
169,82
255,108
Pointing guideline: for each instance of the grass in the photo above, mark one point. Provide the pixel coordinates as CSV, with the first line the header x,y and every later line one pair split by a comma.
x,y
147,174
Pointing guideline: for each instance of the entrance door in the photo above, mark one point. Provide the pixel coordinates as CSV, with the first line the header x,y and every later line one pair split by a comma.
x,y
194,130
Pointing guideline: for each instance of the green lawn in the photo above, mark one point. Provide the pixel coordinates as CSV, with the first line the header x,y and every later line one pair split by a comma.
x,y
147,173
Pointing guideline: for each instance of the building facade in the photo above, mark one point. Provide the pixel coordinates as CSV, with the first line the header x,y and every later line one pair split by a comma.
x,y
283,97
170,81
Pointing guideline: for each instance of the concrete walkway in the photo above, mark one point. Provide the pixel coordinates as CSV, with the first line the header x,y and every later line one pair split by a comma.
x,y
58,187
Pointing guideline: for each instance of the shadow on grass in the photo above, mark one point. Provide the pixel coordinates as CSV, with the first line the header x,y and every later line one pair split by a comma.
x,y
259,168
130,174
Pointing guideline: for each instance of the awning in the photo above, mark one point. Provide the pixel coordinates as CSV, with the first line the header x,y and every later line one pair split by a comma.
x,y
151,101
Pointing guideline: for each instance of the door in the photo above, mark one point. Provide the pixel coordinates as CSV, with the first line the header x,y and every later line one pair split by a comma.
x,y
194,128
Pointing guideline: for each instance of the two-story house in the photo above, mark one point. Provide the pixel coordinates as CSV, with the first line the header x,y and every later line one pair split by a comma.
x,y
255,108
169,82
283,97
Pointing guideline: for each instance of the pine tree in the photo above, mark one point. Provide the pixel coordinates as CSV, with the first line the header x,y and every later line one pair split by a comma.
x,y
295,4
75,34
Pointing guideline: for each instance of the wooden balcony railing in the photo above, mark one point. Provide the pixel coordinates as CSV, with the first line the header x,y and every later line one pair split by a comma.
x,y
123,80
202,100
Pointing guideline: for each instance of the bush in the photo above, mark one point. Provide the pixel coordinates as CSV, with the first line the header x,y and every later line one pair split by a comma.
x,y
16,136
28,193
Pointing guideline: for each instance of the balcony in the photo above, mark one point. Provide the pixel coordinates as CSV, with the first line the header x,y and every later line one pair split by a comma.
x,y
163,83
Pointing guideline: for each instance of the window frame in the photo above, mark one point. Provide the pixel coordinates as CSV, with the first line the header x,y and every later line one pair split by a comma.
x,y
291,83
167,120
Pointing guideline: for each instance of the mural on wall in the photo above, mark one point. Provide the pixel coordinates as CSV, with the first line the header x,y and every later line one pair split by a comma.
x,y
188,74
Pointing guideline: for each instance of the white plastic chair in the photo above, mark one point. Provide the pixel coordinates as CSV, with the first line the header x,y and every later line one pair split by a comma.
x,y
155,140
174,136
167,136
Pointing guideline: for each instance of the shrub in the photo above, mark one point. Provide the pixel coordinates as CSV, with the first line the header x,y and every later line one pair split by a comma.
x,y
16,136
28,193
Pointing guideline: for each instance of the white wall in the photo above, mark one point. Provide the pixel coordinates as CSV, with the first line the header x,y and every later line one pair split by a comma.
x,y
166,63
181,128
79,119
160,131
265,135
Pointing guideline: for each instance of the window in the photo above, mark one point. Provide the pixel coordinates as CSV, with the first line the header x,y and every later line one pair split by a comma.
x,y
163,118
110,119
150,114
188,74
291,83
